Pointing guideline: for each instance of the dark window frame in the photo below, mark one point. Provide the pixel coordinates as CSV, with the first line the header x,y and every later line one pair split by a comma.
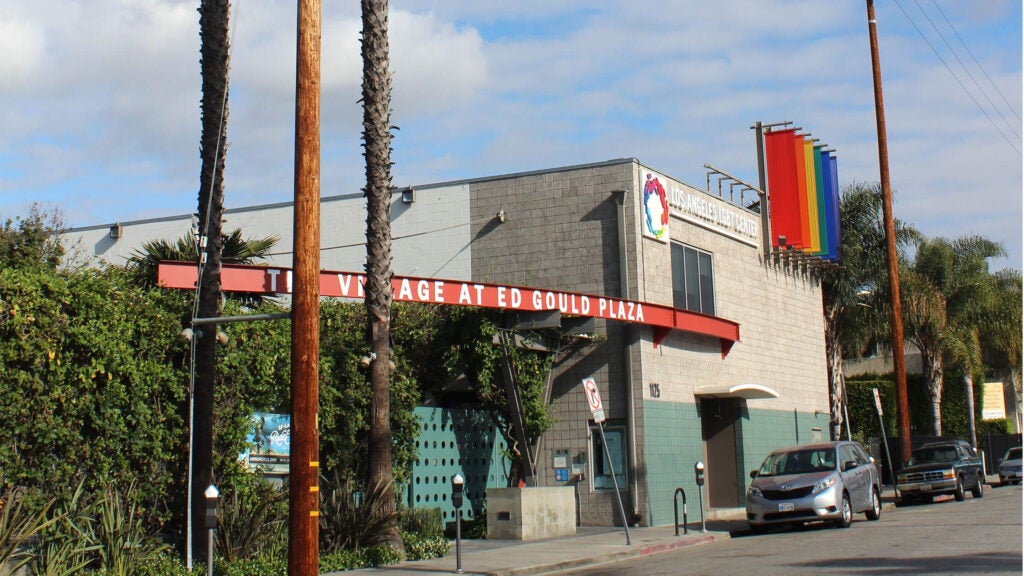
x,y
693,289
601,480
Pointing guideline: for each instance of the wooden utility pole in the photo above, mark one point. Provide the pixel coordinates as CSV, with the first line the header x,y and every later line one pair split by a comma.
x,y
304,469
896,318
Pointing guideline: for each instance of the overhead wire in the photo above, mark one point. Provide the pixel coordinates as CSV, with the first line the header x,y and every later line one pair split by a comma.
x,y
980,67
1011,127
958,81
413,235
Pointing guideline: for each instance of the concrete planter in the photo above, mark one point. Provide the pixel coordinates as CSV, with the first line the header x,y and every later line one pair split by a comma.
x,y
530,513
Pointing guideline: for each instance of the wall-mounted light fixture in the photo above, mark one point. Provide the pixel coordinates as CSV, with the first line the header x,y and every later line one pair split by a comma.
x,y
365,361
408,196
188,334
115,231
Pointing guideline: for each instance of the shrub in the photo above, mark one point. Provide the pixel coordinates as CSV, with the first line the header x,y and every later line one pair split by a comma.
x,y
18,523
252,521
351,518
66,546
422,522
120,533
418,547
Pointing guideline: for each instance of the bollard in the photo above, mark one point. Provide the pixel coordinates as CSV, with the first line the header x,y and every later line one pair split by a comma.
x,y
675,507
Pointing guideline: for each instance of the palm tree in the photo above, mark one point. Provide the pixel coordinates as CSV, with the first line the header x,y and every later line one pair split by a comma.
x,y
854,312
214,56
377,144
143,263
949,293
1001,330
924,321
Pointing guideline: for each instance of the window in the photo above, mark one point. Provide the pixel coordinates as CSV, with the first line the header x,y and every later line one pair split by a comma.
x,y
693,280
602,466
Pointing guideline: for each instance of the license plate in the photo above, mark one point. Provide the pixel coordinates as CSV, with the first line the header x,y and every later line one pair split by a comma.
x,y
925,487
785,507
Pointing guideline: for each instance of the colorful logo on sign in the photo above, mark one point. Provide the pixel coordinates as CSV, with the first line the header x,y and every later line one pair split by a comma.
x,y
655,208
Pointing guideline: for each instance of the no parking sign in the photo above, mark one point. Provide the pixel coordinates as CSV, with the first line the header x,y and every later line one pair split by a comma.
x,y
594,399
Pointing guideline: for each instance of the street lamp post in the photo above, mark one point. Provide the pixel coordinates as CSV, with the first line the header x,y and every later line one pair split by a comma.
x,y
212,497
458,483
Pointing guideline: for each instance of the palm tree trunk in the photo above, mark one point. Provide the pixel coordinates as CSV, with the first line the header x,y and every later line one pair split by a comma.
x,y
969,393
932,367
377,144
213,32
833,353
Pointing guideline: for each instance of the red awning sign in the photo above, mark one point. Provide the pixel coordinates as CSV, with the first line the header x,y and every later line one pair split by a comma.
x,y
663,319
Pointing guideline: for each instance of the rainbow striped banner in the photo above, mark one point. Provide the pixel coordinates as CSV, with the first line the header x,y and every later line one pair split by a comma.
x,y
803,193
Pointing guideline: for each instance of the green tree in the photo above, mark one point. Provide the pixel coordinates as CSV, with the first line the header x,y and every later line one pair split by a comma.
x,y
471,352
143,263
947,292
855,314
93,383
1001,330
32,241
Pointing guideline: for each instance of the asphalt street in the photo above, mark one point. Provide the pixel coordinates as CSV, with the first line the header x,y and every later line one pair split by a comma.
x,y
975,536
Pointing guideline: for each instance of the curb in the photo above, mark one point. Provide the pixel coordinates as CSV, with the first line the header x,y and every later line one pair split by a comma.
x,y
607,558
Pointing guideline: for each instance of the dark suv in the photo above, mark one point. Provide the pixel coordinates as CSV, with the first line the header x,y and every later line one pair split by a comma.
x,y
946,467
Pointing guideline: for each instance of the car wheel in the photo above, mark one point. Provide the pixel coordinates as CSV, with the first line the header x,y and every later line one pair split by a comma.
x,y
978,491
846,512
875,512
958,492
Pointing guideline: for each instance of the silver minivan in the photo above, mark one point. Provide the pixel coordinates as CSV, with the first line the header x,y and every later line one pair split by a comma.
x,y
829,481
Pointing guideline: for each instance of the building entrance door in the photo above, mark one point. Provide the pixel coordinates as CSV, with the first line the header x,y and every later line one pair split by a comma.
x,y
718,427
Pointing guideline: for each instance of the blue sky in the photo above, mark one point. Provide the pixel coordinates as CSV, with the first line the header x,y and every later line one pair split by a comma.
x,y
99,100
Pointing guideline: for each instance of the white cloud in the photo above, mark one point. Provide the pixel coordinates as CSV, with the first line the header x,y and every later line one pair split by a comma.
x,y
104,101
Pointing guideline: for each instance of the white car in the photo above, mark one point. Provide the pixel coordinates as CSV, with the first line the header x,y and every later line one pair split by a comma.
x,y
1009,466
829,481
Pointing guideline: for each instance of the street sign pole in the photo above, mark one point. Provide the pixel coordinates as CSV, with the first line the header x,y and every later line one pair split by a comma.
x,y
885,442
615,482
597,409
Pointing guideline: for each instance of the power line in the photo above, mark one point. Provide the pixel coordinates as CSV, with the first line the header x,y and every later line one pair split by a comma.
x,y
969,75
413,235
962,87
982,68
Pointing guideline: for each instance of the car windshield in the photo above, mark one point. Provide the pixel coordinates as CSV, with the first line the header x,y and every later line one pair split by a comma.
x,y
936,454
1013,454
803,461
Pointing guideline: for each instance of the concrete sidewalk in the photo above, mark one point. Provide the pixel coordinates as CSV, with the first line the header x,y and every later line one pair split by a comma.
x,y
589,546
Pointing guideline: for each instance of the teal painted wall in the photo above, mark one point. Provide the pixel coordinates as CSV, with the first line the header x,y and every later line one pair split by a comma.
x,y
672,444
766,430
456,441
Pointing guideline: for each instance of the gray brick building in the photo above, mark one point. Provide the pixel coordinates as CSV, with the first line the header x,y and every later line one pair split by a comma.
x,y
618,229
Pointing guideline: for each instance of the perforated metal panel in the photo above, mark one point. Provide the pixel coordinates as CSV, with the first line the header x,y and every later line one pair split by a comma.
x,y
456,441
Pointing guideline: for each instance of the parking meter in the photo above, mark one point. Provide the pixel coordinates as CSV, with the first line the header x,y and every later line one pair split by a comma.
x,y
212,497
458,483
457,488
211,506
698,471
